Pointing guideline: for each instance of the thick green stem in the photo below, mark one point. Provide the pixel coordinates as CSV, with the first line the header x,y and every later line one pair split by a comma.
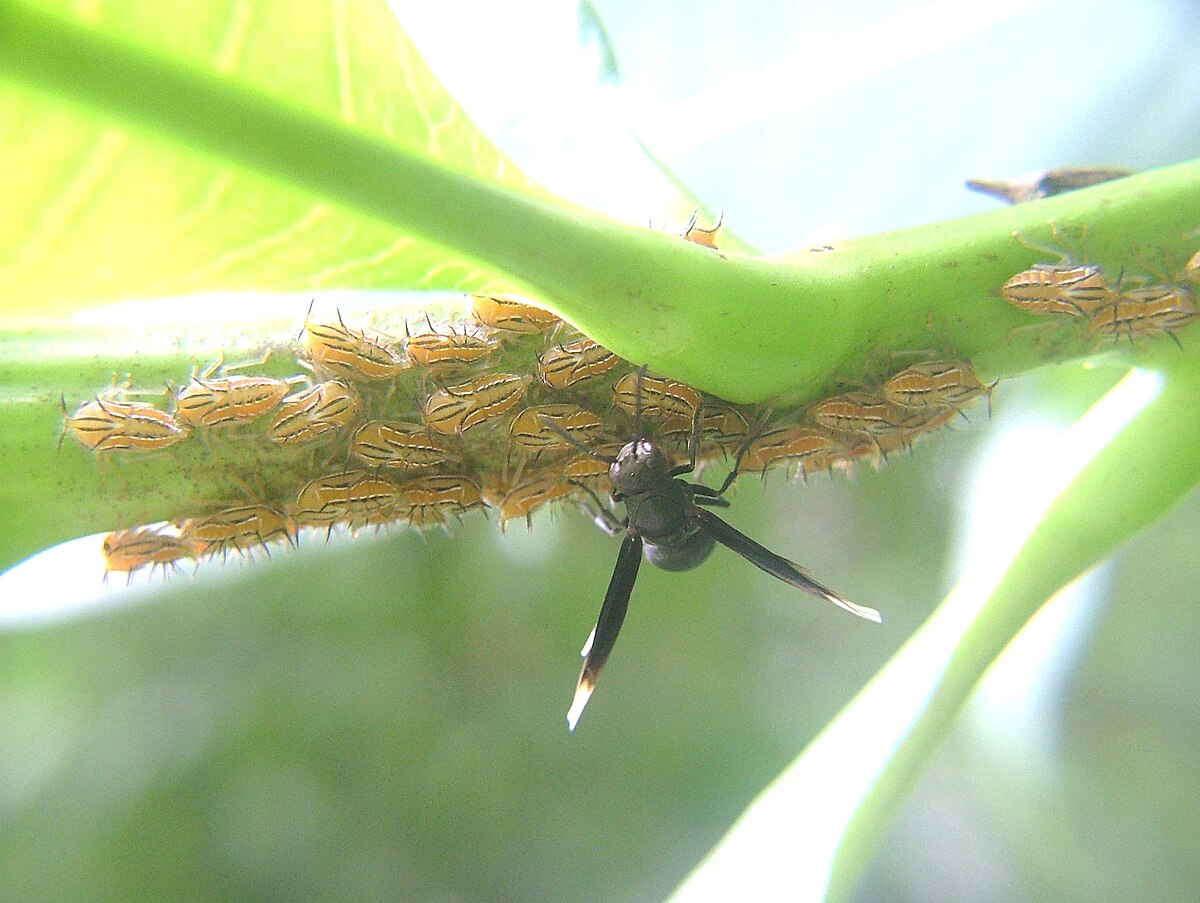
x,y
745,329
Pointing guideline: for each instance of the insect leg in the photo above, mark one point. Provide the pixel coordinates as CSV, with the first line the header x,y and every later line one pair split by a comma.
x,y
601,516
705,495
608,625
776,565
693,445
737,466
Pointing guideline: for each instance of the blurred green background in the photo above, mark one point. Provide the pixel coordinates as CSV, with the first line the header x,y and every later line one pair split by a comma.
x,y
384,719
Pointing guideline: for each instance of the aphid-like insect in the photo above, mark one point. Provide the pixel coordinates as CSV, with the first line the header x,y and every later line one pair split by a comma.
x,y
393,443
446,413
589,469
813,449
1048,288
583,468
535,490
666,518
354,354
512,315
137,547
863,413
237,529
704,237
1065,287
217,401
427,500
936,384
1191,269
436,351
1140,311
721,426
569,363
529,431
354,498
307,416
531,436
917,422
655,396
125,426
228,400
455,409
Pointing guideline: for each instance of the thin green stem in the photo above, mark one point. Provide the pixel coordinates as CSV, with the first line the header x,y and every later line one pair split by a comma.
x,y
1140,475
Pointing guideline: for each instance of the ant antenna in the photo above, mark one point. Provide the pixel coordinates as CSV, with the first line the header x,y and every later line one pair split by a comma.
x,y
637,404
575,443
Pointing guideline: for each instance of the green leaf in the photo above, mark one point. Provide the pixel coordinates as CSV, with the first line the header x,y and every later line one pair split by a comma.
x,y
593,33
843,791
95,211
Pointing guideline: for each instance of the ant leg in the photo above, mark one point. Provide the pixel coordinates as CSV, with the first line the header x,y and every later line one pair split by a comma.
x,y
737,466
693,445
601,516
703,495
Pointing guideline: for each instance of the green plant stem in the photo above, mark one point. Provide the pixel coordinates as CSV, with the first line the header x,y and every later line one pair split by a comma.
x,y
745,329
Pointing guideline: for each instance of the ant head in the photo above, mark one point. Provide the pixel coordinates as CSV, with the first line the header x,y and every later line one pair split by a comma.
x,y
640,465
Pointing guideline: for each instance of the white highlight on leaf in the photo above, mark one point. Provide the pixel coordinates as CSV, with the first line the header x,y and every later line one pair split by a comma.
x,y
234,38
341,58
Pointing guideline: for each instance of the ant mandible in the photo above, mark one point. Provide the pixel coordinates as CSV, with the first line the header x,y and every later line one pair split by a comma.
x,y
666,518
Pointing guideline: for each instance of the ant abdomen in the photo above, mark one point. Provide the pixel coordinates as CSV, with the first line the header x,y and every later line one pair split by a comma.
x,y
690,552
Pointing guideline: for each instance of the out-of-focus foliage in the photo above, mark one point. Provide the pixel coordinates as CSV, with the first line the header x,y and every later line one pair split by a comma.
x,y
70,239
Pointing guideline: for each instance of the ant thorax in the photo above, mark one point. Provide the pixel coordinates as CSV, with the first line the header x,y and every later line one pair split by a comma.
x,y
659,508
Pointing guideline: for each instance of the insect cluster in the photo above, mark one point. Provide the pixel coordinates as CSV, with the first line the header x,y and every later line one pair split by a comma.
x,y
1122,306
667,520
504,411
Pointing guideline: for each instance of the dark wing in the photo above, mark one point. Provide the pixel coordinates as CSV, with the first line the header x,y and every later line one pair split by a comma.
x,y
608,625
776,565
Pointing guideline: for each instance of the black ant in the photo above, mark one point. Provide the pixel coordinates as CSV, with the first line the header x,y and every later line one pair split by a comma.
x,y
666,519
